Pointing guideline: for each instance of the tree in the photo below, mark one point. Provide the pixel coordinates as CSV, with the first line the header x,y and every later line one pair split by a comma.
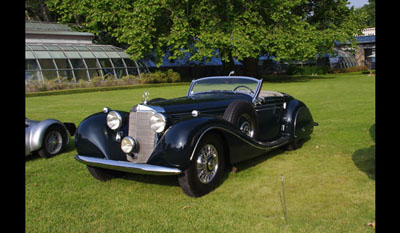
x,y
37,10
240,29
367,13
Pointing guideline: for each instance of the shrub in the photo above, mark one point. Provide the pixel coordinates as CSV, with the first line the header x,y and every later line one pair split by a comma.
x,y
362,68
307,70
109,80
130,79
96,81
168,76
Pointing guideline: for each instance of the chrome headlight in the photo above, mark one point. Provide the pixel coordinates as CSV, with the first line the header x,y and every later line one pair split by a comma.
x,y
114,120
158,122
128,144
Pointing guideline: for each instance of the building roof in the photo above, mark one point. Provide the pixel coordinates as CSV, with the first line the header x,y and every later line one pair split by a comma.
x,y
365,39
59,51
46,32
46,27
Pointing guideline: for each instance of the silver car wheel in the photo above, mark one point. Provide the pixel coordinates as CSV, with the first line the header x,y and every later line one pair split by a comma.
x,y
207,163
53,142
246,125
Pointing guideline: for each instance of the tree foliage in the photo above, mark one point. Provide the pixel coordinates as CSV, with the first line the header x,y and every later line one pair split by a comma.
x,y
367,13
240,29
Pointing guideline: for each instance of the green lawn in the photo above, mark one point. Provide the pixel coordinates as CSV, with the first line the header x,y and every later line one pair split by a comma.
x,y
329,182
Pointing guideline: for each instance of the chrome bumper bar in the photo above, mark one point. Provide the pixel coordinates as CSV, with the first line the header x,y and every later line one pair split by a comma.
x,y
138,168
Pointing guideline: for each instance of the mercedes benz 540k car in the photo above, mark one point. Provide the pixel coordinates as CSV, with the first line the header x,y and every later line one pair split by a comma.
x,y
221,121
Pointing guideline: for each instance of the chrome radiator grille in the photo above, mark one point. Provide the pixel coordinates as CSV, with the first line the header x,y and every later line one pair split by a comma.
x,y
139,129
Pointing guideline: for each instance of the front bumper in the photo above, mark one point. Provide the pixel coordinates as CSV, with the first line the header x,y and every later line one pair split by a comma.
x,y
138,168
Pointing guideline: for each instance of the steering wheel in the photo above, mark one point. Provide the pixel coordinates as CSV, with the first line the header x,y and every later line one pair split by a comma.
x,y
240,86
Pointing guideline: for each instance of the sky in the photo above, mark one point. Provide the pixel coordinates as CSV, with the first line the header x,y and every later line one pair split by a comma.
x,y
357,3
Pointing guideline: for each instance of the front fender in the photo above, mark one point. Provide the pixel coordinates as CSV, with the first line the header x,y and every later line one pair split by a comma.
x,y
93,137
35,132
177,146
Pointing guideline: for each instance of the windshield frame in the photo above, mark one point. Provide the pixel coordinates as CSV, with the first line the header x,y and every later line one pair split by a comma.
x,y
254,96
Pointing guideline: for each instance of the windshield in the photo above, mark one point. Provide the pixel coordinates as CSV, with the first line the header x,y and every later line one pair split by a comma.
x,y
232,84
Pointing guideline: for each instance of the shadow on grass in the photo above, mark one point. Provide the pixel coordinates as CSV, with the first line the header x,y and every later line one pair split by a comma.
x,y
257,160
152,179
294,78
364,159
173,180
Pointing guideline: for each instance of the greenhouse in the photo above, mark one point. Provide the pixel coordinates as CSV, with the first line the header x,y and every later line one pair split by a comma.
x,y
75,62
55,51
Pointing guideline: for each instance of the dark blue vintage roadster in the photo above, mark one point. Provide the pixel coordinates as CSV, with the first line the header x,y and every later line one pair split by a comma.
x,y
221,121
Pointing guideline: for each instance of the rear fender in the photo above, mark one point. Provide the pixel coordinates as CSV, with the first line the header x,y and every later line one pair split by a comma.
x,y
299,123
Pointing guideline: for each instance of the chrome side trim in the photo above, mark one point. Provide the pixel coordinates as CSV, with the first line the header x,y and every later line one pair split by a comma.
x,y
138,168
262,146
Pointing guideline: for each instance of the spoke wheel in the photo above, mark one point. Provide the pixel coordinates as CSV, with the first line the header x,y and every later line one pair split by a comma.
x,y
246,125
207,168
53,142
207,163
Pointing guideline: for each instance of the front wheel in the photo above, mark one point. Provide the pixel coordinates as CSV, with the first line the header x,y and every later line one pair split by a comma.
x,y
53,141
207,169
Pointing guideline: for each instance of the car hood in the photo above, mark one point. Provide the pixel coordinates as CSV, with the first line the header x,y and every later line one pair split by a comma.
x,y
204,103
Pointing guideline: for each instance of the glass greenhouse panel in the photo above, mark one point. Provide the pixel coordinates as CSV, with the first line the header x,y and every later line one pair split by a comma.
x,y
68,48
29,55
47,64
66,75
30,64
94,73
81,74
100,54
86,54
72,54
117,62
108,71
105,63
129,63
42,54
57,54
49,74
62,64
31,76
132,71
78,64
92,64
120,73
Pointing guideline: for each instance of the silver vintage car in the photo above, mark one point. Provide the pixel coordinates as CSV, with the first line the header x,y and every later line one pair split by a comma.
x,y
48,137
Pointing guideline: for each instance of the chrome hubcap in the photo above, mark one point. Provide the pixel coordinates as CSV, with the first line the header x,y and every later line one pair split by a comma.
x,y
246,125
53,142
207,163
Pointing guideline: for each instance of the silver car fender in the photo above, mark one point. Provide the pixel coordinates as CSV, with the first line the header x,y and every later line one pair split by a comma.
x,y
34,134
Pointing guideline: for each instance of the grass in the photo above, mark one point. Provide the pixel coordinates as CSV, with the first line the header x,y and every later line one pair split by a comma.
x,y
329,182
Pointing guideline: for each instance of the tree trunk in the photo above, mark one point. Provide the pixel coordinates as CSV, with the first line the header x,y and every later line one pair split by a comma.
x,y
229,66
251,67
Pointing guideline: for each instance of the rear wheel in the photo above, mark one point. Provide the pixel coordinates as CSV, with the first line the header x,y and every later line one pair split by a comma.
x,y
207,169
